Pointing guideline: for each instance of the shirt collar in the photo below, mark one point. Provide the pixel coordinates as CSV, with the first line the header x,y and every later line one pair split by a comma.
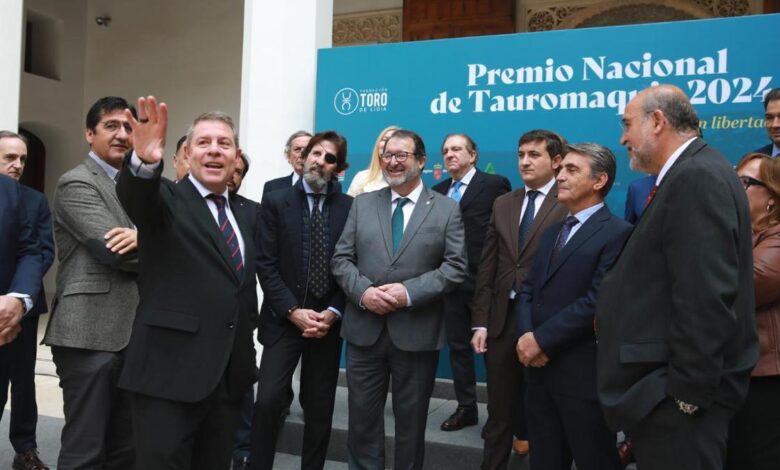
x,y
673,158
775,151
202,189
545,190
309,190
583,215
295,177
110,170
466,180
413,196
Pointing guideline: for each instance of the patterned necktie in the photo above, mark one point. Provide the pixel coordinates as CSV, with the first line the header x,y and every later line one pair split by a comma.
x,y
398,222
456,194
527,220
651,196
229,234
563,235
319,284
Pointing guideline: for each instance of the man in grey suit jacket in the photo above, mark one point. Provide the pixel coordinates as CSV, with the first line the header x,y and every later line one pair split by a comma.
x,y
96,296
402,248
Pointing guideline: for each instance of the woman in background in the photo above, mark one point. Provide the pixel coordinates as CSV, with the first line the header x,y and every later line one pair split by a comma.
x,y
754,434
371,179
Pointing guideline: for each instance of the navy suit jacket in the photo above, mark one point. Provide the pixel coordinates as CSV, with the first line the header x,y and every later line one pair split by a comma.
x,y
40,216
282,259
636,197
21,265
766,149
558,302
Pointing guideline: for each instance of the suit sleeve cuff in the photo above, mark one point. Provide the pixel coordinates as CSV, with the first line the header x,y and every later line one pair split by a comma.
x,y
28,303
141,169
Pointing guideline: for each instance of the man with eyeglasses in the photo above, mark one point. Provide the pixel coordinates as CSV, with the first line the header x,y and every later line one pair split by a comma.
x,y
518,220
402,250
675,314
302,305
475,192
94,305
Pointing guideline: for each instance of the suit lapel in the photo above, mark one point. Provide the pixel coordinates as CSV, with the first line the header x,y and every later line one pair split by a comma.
x,y
514,219
383,205
420,212
591,226
205,220
547,206
108,187
472,190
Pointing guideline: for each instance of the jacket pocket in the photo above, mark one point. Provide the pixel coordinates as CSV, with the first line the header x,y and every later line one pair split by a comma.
x,y
644,352
97,286
172,320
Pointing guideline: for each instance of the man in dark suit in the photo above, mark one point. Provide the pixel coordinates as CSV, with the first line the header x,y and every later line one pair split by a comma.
x,y
636,198
677,338
17,365
293,149
555,315
402,249
475,191
21,264
510,245
772,119
94,305
191,358
302,303
248,210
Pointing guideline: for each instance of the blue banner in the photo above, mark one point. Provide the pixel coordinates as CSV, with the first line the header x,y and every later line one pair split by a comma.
x,y
575,82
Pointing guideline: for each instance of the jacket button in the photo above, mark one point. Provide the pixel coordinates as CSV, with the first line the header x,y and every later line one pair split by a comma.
x,y
231,324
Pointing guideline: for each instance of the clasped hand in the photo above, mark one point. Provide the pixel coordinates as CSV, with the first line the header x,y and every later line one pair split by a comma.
x,y
385,298
529,352
312,323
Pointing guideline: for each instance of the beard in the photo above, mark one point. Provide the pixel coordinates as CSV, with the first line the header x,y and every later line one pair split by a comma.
x,y
409,174
318,181
641,157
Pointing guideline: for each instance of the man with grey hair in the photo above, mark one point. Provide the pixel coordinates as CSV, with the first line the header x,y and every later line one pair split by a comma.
x,y
675,317
191,358
293,150
555,314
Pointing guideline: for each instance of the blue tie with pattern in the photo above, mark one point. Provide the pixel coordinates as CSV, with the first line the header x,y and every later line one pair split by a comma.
x,y
563,235
527,220
398,222
229,234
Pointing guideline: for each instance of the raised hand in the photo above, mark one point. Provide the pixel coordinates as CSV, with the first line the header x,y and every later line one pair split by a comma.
x,y
149,129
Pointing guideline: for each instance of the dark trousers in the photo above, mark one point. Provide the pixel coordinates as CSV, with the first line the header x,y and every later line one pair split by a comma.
x,y
458,325
98,429
174,435
17,368
561,427
668,439
506,414
241,448
319,377
754,433
369,370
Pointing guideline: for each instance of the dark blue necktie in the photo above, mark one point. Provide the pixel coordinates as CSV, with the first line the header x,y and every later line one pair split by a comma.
x,y
398,222
563,235
527,220
229,234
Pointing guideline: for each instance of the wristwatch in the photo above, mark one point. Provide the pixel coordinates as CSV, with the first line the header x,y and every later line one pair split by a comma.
x,y
687,408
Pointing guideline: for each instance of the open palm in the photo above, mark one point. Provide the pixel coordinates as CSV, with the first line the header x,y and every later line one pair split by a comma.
x,y
149,129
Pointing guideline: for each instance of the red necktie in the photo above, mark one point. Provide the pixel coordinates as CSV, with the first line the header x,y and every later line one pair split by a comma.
x,y
651,195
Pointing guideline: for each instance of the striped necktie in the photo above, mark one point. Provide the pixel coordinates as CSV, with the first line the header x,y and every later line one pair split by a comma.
x,y
229,234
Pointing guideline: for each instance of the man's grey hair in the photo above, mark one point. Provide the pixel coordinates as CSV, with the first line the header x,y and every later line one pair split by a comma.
x,y
293,137
12,135
602,160
676,107
213,116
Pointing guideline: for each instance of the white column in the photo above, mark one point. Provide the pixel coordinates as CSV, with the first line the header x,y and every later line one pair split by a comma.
x,y
278,80
11,21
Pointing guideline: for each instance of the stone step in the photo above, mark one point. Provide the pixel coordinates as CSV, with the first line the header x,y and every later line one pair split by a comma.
x,y
451,450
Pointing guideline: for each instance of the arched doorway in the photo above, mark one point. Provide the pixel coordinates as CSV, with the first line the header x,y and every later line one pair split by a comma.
x,y
34,174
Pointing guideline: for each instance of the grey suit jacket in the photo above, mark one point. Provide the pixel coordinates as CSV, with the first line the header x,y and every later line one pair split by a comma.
x,y
430,261
94,306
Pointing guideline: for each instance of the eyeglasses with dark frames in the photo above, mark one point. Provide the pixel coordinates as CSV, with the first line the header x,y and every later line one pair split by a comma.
x,y
748,181
400,157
